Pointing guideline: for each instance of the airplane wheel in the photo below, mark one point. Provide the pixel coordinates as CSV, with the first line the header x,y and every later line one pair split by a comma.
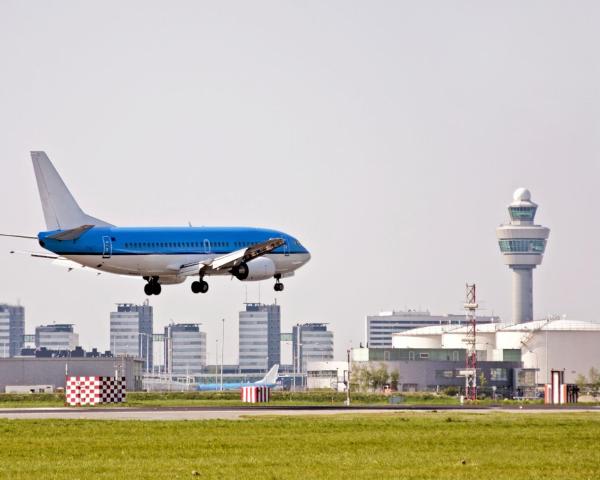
x,y
156,288
148,289
203,287
278,287
196,287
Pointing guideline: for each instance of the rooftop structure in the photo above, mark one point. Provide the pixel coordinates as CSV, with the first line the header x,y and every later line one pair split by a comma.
x,y
522,244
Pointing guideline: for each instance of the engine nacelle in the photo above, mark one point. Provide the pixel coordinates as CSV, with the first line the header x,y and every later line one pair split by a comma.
x,y
260,268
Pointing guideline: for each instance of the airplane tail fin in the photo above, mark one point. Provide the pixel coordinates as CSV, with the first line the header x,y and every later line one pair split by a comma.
x,y
61,211
271,377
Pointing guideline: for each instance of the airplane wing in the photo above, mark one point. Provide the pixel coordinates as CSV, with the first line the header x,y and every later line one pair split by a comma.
x,y
29,237
230,260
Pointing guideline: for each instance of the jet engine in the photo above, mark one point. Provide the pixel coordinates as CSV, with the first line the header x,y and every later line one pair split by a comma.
x,y
260,268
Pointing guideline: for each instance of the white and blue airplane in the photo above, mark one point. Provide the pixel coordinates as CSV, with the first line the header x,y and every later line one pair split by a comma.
x,y
269,380
160,255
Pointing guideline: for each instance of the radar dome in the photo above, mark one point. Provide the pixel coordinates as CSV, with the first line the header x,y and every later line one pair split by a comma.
x,y
522,195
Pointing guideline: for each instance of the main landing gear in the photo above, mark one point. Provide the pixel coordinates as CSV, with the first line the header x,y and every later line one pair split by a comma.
x,y
278,285
152,287
200,286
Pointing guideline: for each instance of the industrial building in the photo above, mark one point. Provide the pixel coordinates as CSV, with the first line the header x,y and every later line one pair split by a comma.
x,y
433,369
12,329
31,371
327,375
380,328
131,331
185,349
60,336
522,244
259,337
543,345
311,342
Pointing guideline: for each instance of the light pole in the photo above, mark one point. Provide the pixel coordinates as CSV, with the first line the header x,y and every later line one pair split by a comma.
x,y
222,349
348,386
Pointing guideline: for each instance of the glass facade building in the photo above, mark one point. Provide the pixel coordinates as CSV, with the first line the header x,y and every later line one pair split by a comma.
x,y
259,337
12,329
131,331
185,349
311,342
56,337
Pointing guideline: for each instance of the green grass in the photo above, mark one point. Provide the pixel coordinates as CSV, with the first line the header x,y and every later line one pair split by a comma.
x,y
408,446
232,398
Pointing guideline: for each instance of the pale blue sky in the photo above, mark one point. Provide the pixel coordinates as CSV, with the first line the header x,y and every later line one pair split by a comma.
x,y
387,136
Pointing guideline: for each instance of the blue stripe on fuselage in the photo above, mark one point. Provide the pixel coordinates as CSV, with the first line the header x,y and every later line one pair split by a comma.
x,y
167,241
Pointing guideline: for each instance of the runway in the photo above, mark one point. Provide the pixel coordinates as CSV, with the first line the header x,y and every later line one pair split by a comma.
x,y
238,413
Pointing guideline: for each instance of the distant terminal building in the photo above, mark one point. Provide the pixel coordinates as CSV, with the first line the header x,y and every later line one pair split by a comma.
x,y
311,342
60,336
522,244
12,329
131,331
185,349
259,337
381,327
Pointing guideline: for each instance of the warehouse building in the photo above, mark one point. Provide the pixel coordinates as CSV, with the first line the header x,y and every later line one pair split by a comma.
x,y
544,345
32,371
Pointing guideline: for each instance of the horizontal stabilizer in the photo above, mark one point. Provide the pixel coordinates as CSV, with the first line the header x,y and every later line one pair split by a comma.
x,y
71,234
29,237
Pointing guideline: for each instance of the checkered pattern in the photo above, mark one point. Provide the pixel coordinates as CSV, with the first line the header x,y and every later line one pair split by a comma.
x,y
95,390
255,394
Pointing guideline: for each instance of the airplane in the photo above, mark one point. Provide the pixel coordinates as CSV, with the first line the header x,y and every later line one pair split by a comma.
x,y
160,255
269,380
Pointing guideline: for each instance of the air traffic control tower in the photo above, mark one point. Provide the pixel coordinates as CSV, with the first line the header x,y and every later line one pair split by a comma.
x,y
522,244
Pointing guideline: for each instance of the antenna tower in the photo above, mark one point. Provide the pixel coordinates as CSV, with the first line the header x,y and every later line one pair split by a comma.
x,y
470,340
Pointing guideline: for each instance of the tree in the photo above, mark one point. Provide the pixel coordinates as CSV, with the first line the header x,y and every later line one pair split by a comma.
x,y
379,377
594,381
394,377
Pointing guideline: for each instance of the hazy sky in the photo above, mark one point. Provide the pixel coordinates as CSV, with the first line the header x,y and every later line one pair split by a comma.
x,y
387,136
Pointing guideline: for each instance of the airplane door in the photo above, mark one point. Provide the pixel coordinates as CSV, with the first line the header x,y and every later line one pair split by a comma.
x,y
286,249
106,247
206,245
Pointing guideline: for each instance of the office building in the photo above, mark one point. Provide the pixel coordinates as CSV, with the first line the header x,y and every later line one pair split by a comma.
x,y
522,245
381,327
12,329
56,337
185,349
259,337
311,342
131,331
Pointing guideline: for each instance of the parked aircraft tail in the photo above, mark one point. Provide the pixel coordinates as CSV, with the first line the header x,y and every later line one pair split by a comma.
x,y
61,211
271,377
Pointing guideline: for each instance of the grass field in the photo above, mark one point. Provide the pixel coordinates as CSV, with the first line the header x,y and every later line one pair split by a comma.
x,y
391,445
232,398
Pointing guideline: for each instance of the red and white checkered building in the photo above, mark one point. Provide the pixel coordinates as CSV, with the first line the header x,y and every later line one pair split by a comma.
x,y
255,394
95,390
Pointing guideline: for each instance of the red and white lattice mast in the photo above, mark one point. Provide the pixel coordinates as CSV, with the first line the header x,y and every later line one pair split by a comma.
x,y
471,344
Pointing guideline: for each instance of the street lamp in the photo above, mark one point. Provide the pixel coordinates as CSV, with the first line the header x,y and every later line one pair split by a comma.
x,y
222,349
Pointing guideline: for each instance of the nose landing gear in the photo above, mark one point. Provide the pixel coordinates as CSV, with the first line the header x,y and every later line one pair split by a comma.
x,y
152,287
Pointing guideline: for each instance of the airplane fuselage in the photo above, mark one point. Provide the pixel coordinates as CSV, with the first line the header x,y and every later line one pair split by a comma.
x,y
163,251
